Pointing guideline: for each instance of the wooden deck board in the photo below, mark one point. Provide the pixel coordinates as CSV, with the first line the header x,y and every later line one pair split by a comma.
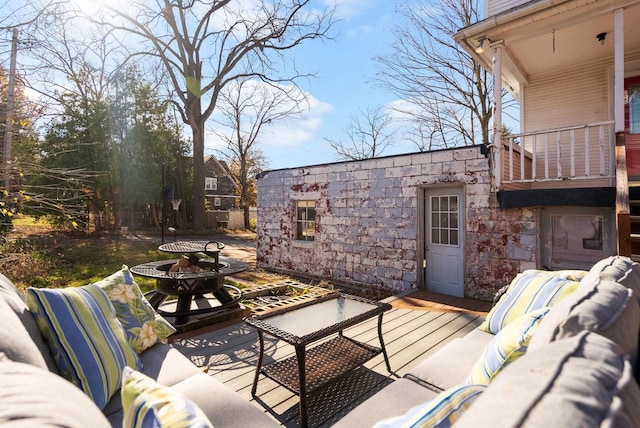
x,y
415,328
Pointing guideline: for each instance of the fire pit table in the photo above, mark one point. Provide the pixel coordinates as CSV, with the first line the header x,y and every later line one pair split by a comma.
x,y
207,277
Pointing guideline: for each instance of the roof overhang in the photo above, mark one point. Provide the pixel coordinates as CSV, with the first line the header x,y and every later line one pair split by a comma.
x,y
546,35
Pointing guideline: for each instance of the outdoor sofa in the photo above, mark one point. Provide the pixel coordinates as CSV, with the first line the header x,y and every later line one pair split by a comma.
x,y
560,351
63,358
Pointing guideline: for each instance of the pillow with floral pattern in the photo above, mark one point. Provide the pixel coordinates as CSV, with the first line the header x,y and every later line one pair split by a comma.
x,y
143,325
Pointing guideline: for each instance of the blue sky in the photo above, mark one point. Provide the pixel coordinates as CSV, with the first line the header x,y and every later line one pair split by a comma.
x,y
344,84
343,87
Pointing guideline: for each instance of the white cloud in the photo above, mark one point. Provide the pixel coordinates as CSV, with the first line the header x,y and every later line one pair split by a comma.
x,y
291,132
358,31
346,9
401,109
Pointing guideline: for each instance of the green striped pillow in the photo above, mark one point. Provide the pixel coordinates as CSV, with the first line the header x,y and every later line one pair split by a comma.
x,y
146,403
441,412
508,345
85,338
527,292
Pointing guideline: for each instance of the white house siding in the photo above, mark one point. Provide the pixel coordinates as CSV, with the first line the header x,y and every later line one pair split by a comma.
x,y
494,7
367,225
572,97
569,97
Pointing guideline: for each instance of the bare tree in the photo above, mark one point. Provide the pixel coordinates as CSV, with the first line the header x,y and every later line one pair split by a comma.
x,y
447,93
203,45
247,106
368,136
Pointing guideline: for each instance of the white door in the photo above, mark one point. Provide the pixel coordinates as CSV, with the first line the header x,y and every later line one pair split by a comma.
x,y
444,249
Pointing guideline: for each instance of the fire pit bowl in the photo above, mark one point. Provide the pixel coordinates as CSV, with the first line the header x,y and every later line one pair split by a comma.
x,y
208,278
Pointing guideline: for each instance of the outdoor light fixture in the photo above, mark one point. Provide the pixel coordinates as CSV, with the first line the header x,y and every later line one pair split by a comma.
x,y
480,47
601,37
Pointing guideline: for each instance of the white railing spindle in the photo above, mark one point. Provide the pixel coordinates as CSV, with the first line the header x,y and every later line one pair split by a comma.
x,y
601,141
546,156
558,154
522,164
511,158
587,157
572,137
534,163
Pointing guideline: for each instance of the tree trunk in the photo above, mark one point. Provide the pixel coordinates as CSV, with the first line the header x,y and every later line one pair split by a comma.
x,y
132,218
197,127
247,222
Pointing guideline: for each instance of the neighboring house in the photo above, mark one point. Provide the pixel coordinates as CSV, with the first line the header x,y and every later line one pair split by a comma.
x,y
219,187
556,196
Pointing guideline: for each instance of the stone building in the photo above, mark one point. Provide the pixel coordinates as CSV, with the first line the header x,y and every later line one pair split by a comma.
x,y
422,220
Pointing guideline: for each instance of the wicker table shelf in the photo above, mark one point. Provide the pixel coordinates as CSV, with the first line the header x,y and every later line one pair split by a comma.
x,y
325,363
300,326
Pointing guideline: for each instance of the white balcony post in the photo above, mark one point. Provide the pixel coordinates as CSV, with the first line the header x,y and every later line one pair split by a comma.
x,y
497,112
618,80
623,218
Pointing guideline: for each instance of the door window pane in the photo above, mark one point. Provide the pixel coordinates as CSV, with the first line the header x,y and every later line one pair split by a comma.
x,y
444,219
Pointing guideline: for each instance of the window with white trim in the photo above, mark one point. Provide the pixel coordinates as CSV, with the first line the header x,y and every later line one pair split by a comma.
x,y
305,220
210,183
216,202
444,219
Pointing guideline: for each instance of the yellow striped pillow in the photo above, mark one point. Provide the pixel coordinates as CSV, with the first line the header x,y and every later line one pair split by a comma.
x,y
441,412
507,346
528,291
146,403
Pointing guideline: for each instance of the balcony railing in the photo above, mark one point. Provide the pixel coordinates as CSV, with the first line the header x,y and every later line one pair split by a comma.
x,y
575,156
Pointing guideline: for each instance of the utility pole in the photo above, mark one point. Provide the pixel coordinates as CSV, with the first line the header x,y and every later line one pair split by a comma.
x,y
9,125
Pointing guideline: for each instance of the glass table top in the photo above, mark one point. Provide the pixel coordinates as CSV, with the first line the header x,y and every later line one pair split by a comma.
x,y
316,317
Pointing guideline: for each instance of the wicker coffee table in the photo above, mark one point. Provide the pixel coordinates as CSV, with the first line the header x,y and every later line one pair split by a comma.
x,y
302,325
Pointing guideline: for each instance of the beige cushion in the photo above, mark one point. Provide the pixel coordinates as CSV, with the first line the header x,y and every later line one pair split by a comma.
x,y
601,306
479,336
449,366
15,299
583,381
222,405
33,397
393,400
15,341
619,269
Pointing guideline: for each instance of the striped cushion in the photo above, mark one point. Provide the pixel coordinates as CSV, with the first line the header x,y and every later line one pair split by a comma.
x,y
146,403
143,326
508,345
85,337
528,291
441,412
572,274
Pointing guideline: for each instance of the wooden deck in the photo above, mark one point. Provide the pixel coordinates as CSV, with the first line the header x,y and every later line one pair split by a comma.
x,y
418,325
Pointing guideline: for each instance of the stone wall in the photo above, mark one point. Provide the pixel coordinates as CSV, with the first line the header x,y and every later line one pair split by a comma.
x,y
368,226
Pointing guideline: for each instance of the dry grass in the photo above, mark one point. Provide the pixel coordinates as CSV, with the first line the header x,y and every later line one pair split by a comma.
x,y
36,255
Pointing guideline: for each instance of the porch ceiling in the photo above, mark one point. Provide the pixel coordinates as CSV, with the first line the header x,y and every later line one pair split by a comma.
x,y
551,38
